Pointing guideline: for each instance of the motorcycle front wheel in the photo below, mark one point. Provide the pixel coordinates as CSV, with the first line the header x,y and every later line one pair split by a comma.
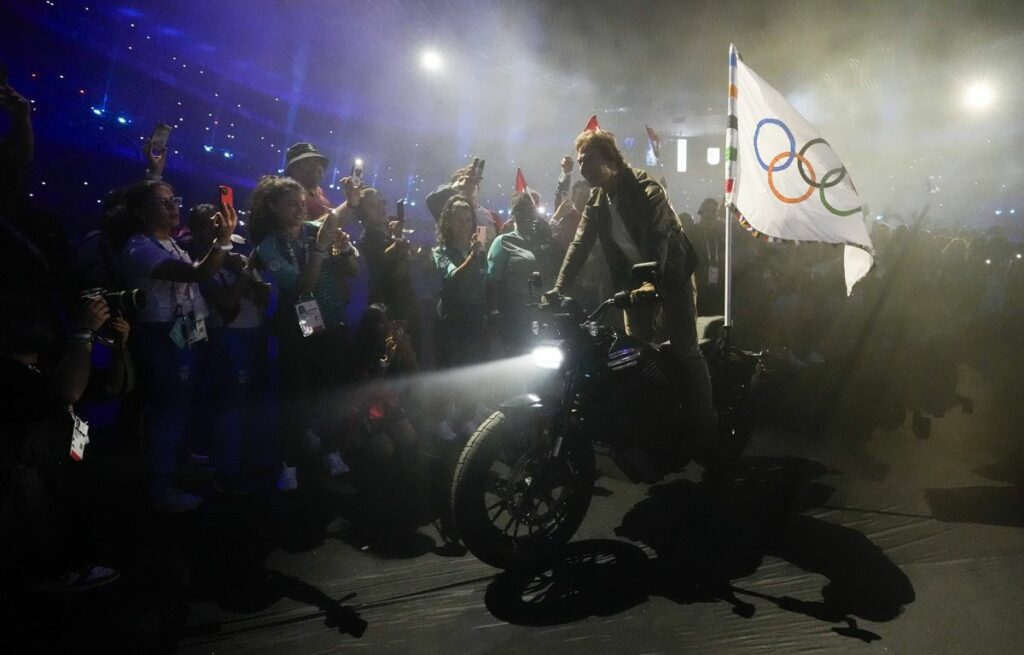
x,y
513,501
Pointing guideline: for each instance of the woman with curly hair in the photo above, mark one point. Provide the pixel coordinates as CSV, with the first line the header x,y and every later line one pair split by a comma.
x,y
309,263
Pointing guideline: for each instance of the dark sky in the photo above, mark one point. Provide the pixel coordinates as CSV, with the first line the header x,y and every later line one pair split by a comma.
x,y
883,79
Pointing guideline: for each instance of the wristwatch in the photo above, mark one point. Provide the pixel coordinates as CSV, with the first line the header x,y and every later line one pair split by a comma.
x,y
224,248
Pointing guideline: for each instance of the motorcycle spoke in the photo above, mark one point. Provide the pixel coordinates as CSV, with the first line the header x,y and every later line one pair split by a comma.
x,y
511,519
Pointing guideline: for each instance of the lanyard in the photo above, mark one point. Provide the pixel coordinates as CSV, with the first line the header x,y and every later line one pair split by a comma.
x,y
303,246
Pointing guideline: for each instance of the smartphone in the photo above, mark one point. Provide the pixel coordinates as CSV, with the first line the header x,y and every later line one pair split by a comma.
x,y
481,234
227,196
400,210
158,140
357,172
478,168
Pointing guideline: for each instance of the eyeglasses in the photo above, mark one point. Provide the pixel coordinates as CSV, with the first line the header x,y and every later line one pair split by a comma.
x,y
170,202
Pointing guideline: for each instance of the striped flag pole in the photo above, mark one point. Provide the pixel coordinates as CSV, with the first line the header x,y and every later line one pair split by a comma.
x,y
730,180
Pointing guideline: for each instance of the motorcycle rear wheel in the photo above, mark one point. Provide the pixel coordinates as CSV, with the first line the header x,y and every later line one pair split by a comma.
x,y
510,512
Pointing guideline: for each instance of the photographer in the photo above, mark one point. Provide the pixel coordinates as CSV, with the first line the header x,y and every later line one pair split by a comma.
x,y
171,333
44,515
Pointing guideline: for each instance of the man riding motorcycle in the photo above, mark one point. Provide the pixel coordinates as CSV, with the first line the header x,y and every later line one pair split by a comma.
x,y
630,214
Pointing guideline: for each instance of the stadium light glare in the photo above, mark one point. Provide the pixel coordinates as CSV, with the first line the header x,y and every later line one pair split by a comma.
x,y
979,96
432,61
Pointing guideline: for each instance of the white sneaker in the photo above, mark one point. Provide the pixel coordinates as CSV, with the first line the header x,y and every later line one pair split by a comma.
x,y
334,464
176,501
289,478
83,580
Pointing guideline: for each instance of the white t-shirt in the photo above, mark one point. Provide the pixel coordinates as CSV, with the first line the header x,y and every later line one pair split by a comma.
x,y
623,239
141,255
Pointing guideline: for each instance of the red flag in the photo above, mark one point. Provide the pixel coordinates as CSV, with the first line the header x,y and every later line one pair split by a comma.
x,y
655,140
592,125
520,181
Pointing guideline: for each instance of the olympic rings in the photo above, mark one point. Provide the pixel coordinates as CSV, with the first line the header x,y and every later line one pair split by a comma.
x,y
826,185
771,184
799,167
792,142
832,178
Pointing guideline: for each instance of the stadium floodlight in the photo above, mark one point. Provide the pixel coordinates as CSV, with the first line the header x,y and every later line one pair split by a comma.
x,y
979,96
432,61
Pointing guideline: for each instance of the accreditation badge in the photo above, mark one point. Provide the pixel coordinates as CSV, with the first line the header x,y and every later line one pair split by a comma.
x,y
79,437
713,275
179,333
310,319
195,328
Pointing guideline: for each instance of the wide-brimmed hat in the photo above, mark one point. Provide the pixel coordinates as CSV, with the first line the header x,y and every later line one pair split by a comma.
x,y
303,150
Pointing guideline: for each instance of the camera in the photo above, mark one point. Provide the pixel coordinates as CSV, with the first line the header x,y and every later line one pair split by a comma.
x,y
121,303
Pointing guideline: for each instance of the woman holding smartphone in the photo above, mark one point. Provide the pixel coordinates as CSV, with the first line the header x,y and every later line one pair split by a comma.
x,y
460,258
171,332
388,257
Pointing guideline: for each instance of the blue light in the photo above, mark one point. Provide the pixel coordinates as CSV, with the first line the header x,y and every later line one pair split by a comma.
x,y
97,111
122,120
412,204
228,155
208,148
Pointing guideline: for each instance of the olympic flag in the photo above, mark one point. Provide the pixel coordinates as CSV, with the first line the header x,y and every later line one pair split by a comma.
x,y
787,182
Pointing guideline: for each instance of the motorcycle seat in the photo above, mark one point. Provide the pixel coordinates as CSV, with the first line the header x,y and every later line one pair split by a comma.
x,y
709,328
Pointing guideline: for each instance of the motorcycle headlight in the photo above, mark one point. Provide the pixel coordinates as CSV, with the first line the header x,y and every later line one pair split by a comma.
x,y
548,357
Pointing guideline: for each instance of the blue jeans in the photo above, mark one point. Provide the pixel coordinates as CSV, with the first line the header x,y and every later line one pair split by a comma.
x,y
238,355
166,377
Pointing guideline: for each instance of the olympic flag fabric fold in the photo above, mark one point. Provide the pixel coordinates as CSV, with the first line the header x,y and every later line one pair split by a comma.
x,y
784,180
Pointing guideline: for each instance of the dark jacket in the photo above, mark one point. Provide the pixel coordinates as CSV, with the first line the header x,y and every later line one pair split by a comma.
x,y
649,219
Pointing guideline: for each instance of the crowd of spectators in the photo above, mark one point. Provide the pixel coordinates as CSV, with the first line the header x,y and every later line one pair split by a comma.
x,y
244,365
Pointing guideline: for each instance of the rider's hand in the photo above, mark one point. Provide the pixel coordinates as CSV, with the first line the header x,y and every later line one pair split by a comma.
x,y
551,297
646,292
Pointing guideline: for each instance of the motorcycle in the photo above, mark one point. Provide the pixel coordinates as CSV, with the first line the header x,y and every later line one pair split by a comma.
x,y
525,478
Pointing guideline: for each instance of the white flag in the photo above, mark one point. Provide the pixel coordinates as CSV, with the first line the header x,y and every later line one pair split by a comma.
x,y
784,179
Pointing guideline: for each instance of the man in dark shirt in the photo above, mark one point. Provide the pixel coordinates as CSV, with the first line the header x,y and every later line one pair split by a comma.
x,y
708,238
306,165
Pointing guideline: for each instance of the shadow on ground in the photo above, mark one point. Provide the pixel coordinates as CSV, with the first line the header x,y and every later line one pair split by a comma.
x,y
701,543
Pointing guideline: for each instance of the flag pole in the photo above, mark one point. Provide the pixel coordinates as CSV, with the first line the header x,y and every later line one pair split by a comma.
x,y
730,179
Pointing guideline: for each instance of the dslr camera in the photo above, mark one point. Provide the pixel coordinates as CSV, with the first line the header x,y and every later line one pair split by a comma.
x,y
121,303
